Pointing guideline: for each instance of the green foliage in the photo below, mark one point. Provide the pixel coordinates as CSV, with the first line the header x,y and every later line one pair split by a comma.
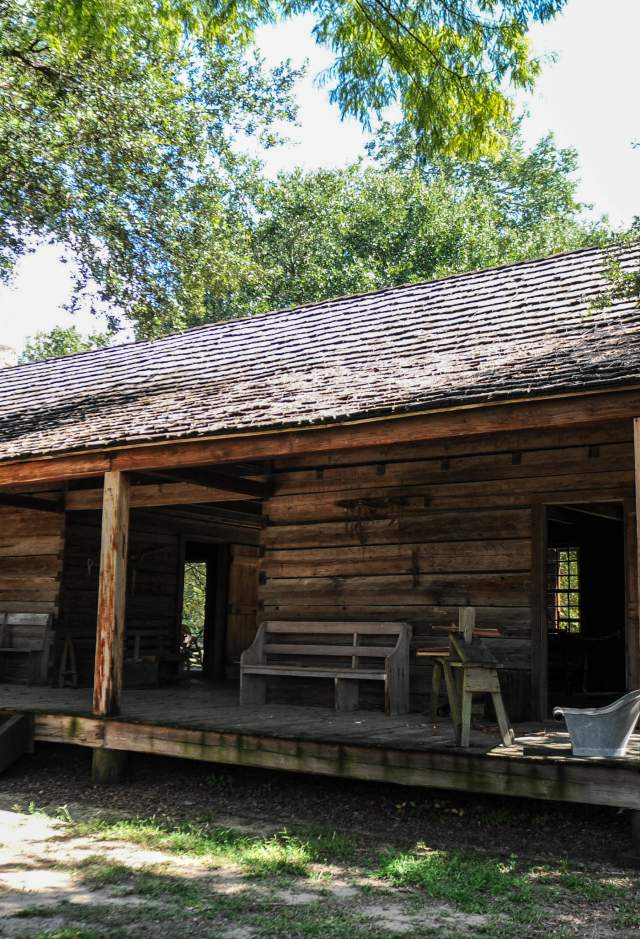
x,y
445,64
61,341
123,127
194,597
335,232
127,154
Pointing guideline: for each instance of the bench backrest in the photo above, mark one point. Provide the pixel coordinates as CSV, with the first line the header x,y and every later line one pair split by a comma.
x,y
283,640
25,630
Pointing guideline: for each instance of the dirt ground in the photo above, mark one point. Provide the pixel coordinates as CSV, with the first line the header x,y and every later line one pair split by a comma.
x,y
402,862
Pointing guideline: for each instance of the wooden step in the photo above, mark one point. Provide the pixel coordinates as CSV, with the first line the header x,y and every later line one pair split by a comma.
x,y
16,738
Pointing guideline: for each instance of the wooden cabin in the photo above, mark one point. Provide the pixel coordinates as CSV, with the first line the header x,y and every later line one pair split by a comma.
x,y
389,457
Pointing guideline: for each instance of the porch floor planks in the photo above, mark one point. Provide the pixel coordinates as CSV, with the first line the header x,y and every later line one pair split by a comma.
x,y
204,707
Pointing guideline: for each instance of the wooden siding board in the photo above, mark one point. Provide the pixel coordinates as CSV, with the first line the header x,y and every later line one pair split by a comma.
x,y
415,532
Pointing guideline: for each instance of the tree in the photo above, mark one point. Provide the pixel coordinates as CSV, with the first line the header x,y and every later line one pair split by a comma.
x,y
329,233
122,123
446,63
128,155
61,341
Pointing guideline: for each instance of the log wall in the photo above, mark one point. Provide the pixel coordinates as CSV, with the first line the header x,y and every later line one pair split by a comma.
x,y
412,532
154,578
31,545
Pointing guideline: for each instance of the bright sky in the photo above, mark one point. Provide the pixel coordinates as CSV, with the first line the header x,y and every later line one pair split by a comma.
x,y
588,98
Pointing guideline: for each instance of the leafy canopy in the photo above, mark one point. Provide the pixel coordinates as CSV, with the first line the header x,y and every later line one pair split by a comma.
x,y
131,158
60,341
447,64
123,125
309,236
334,232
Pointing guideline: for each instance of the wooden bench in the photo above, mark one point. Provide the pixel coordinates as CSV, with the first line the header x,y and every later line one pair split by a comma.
x,y
356,652
26,647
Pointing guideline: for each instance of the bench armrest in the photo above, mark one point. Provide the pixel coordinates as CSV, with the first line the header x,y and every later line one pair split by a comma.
x,y
254,655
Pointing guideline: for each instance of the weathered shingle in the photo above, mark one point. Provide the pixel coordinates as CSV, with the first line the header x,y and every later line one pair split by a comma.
x,y
524,330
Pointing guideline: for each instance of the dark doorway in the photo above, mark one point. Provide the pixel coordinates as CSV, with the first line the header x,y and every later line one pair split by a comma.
x,y
585,604
204,603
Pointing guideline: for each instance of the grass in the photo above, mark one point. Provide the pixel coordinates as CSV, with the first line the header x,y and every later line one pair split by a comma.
x,y
471,882
513,896
282,854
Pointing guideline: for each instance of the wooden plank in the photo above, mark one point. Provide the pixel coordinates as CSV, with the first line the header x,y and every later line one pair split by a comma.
x,y
309,628
465,469
384,502
498,773
27,546
239,485
154,494
287,648
107,686
563,411
48,565
30,502
632,575
428,526
442,557
442,589
533,441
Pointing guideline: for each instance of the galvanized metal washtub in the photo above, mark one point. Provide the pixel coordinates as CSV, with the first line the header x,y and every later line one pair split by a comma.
x,y
602,731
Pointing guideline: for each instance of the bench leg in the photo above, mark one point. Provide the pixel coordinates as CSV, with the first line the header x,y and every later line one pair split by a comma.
x,y
396,688
253,689
347,694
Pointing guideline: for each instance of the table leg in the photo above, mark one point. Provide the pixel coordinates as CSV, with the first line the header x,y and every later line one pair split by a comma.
x,y
436,679
503,721
452,694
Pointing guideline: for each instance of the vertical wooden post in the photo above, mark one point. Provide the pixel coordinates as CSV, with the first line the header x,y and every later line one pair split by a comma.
x,y
107,683
633,640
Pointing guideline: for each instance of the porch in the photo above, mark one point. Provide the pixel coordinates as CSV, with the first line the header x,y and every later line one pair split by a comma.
x,y
204,721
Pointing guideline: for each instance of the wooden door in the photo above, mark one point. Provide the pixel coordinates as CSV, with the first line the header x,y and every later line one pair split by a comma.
x,y
242,607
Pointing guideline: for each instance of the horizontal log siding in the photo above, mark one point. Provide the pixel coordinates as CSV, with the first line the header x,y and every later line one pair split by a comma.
x,y
152,584
413,532
31,544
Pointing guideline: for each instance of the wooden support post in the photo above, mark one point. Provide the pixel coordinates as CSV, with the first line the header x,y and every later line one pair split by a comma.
x,y
635,831
633,641
109,766
107,684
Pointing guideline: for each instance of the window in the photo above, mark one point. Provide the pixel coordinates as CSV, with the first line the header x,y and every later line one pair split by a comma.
x,y
563,590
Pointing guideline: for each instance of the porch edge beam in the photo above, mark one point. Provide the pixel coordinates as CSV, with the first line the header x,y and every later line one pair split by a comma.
x,y
568,410
107,684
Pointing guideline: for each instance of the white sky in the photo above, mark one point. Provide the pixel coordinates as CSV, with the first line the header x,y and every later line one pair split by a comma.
x,y
588,98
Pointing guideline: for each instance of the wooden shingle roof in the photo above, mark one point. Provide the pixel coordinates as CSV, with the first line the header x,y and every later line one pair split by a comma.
x,y
520,331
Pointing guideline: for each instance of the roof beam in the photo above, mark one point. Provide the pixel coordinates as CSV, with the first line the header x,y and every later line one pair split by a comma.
x,y
202,476
16,501
154,494
563,411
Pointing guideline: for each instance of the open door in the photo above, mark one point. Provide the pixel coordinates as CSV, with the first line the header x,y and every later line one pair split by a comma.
x,y
204,602
220,603
585,604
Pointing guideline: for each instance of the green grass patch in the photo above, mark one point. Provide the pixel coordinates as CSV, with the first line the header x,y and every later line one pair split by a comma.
x,y
97,872
81,934
280,854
